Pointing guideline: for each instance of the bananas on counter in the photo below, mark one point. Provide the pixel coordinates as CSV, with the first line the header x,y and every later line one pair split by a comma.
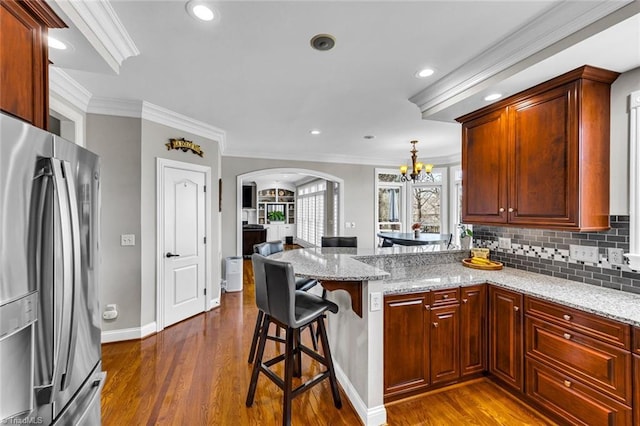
x,y
481,261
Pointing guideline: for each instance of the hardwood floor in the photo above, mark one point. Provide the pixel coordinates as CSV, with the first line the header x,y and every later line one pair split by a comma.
x,y
196,373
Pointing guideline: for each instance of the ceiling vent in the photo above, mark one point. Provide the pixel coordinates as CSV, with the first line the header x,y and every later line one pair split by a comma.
x,y
323,42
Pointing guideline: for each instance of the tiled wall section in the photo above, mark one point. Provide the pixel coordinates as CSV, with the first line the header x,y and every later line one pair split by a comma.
x,y
547,252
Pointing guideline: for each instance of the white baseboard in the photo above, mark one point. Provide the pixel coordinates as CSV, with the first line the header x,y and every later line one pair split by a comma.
x,y
369,416
133,333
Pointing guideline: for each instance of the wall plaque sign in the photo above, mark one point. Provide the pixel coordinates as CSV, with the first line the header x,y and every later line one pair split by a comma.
x,y
185,146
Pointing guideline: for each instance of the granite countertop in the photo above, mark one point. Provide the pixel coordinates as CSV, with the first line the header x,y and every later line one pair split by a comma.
x,y
614,304
336,264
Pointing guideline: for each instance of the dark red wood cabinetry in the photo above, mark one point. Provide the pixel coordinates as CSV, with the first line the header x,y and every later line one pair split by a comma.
x,y
473,330
445,336
541,158
636,376
24,81
406,343
505,336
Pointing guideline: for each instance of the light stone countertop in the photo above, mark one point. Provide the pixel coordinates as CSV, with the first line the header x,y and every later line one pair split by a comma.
x,y
342,265
614,304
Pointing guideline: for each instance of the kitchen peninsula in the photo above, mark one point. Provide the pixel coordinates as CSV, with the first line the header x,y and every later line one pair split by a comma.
x,y
534,310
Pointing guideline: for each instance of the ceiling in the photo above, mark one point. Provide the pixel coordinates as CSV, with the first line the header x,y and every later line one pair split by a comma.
x,y
253,74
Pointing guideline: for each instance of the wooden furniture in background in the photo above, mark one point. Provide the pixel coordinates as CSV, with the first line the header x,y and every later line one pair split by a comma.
x,y
540,158
24,55
505,336
251,236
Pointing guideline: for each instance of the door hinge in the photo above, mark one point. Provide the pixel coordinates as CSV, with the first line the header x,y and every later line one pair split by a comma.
x,y
205,291
205,188
205,240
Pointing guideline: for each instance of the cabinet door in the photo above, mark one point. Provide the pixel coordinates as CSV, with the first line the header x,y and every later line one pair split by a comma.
x,y
636,387
505,330
473,348
484,165
445,343
543,153
406,343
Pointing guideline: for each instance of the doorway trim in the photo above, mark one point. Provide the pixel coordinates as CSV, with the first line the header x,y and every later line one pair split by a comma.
x,y
287,170
161,164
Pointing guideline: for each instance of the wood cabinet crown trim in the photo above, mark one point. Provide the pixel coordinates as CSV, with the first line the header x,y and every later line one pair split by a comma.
x,y
585,72
40,11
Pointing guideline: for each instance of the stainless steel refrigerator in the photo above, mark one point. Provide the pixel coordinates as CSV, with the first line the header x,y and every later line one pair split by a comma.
x,y
50,325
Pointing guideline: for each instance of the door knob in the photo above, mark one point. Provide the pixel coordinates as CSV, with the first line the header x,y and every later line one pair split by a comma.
x,y
169,254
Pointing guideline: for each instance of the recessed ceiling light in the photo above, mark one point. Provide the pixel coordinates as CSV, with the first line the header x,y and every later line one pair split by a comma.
x,y
426,72
200,10
493,97
54,43
315,132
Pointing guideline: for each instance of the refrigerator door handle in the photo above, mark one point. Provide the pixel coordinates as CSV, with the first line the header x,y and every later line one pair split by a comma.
x,y
45,392
76,259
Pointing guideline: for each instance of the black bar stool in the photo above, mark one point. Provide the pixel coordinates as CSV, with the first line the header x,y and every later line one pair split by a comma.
x,y
283,305
302,284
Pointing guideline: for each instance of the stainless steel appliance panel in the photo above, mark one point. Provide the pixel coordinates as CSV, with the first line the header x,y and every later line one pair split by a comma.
x,y
21,146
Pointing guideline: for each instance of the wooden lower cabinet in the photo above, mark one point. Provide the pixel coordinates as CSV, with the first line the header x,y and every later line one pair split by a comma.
x,y
636,389
445,344
473,330
406,343
571,400
505,336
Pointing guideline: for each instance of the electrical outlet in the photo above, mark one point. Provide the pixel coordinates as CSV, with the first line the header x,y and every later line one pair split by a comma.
x,y
504,243
127,240
616,256
376,301
584,253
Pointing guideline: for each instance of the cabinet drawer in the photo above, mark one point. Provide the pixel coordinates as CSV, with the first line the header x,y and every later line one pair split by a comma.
x,y
572,400
604,329
445,296
600,365
636,340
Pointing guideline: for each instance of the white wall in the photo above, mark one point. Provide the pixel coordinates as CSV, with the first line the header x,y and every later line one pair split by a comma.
x,y
620,89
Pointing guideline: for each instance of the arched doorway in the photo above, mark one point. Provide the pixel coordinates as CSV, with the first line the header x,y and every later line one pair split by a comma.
x,y
255,175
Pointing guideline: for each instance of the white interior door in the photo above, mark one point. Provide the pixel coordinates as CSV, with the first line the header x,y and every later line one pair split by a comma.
x,y
184,214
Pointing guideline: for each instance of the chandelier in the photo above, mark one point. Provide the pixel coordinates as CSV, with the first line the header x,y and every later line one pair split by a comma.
x,y
419,172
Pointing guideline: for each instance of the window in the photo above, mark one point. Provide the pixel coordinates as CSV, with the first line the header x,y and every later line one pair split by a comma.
x,y
311,212
401,204
456,202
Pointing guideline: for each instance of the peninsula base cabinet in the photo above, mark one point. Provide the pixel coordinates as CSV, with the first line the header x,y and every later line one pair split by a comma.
x,y
576,367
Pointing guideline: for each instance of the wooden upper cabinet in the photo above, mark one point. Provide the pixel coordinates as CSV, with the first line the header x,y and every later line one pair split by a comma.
x,y
541,158
24,81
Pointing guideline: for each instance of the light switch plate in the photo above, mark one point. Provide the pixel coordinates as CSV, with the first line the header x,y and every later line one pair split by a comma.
x,y
504,243
584,253
616,256
375,301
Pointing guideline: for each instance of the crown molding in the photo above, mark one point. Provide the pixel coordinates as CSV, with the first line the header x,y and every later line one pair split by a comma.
x,y
100,25
62,85
161,115
509,56
117,107
338,158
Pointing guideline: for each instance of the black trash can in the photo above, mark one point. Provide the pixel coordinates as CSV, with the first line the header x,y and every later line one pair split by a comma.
x,y
288,240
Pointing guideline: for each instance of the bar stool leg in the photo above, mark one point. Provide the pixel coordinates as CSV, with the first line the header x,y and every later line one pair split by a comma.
x,y
314,339
256,335
258,363
327,354
288,375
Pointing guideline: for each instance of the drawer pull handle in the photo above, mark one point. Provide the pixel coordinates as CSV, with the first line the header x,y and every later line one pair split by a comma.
x,y
566,317
446,296
567,336
435,324
501,209
516,308
427,307
510,209
464,300
567,383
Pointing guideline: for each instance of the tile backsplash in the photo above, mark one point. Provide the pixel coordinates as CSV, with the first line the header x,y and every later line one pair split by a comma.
x,y
547,252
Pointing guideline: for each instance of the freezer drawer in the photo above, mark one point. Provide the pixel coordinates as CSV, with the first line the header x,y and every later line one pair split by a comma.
x,y
84,408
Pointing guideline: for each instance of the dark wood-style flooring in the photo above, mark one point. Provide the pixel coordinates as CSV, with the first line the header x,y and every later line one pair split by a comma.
x,y
196,373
